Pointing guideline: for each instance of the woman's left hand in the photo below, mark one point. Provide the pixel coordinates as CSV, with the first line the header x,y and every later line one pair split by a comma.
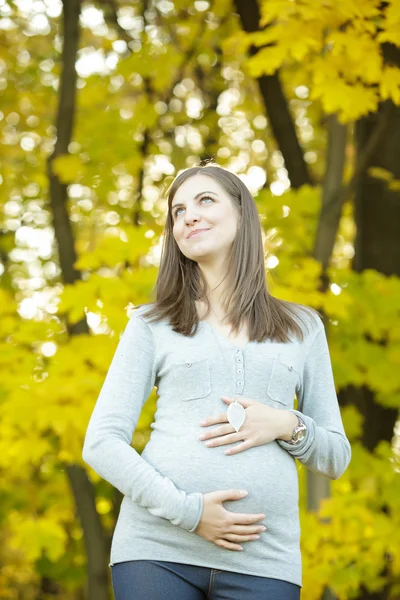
x,y
263,424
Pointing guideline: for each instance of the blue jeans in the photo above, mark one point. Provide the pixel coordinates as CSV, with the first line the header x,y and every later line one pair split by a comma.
x,y
163,580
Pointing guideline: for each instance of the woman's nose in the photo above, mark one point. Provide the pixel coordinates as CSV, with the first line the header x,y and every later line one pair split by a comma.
x,y
191,216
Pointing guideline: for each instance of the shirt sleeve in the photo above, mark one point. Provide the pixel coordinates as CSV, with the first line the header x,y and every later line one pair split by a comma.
x,y
107,445
325,449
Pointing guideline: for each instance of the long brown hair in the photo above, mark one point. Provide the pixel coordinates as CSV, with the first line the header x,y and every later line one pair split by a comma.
x,y
246,299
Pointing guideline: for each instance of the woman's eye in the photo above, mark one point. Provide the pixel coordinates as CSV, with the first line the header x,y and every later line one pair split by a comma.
x,y
201,199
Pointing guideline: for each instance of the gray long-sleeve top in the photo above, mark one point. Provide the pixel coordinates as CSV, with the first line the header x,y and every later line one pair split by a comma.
x,y
163,486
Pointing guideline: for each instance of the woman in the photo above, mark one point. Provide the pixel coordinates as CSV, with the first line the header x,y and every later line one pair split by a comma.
x,y
215,335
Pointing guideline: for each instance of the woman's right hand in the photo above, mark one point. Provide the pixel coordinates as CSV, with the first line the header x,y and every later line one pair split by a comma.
x,y
223,527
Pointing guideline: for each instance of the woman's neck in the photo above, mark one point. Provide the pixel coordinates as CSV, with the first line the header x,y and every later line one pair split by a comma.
x,y
216,311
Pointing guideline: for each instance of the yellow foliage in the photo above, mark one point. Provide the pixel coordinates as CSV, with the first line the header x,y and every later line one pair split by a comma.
x,y
338,46
114,249
353,422
391,24
350,524
349,101
34,535
394,185
390,84
266,61
46,401
380,173
238,42
68,167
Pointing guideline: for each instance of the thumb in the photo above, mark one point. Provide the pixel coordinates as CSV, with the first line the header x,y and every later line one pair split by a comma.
x,y
234,494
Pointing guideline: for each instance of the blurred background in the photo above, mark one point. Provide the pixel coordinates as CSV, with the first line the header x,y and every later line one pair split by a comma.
x,y
102,103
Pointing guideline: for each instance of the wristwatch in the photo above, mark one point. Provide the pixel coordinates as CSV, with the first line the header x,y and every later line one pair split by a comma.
x,y
299,432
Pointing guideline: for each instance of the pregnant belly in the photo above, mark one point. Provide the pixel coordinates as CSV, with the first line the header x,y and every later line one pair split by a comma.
x,y
267,472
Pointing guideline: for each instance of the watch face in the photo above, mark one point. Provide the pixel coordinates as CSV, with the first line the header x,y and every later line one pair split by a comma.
x,y
299,435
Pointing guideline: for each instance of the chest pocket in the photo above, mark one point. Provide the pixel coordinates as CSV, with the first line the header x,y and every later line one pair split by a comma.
x,y
283,381
192,379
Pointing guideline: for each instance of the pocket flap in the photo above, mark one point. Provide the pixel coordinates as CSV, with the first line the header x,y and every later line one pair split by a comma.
x,y
192,379
283,381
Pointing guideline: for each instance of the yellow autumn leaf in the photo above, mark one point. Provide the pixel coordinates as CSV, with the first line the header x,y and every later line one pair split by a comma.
x,y
390,84
394,185
266,61
68,167
380,173
34,535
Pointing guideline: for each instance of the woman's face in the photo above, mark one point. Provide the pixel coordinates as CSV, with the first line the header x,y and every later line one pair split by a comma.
x,y
201,203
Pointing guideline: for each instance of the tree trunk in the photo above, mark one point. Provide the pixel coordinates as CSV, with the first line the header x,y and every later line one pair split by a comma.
x,y
83,491
377,246
276,105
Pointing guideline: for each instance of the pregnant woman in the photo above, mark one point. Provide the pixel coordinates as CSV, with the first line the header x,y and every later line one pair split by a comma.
x,y
211,506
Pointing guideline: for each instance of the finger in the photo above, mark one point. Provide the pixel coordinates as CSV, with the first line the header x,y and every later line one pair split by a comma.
x,y
247,529
240,447
234,537
221,418
223,430
246,519
228,545
222,441
241,399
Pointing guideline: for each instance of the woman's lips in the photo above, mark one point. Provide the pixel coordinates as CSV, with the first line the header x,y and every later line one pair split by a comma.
x,y
199,232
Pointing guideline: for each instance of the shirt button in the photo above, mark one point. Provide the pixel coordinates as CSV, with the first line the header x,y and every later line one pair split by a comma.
x,y
290,368
188,364
240,371
240,382
239,360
